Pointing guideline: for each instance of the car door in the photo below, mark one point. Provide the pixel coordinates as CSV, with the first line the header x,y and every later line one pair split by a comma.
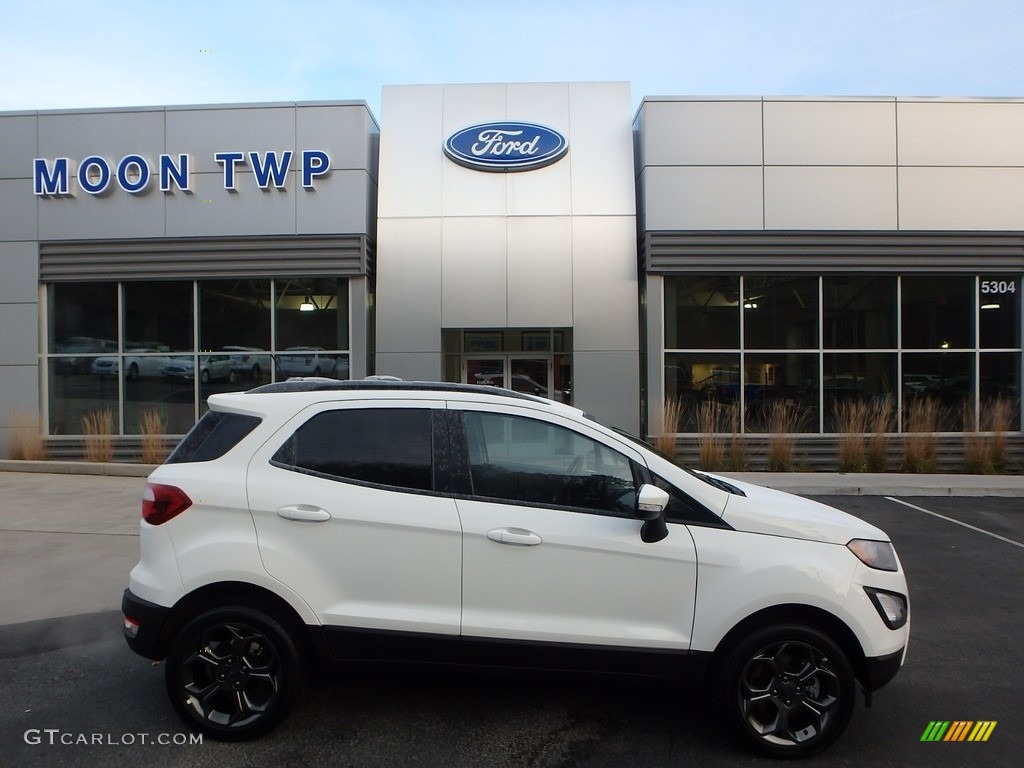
x,y
353,514
551,549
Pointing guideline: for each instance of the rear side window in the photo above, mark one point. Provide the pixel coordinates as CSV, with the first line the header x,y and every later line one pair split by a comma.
x,y
383,446
214,434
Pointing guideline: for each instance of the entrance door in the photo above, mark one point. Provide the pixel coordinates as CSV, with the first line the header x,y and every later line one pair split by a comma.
x,y
521,373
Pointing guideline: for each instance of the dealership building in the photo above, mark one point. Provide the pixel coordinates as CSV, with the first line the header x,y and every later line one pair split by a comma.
x,y
550,238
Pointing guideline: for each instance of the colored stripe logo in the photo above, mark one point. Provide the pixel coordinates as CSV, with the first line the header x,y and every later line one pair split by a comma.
x,y
958,730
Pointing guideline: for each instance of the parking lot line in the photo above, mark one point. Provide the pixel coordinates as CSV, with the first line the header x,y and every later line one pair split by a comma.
x,y
958,522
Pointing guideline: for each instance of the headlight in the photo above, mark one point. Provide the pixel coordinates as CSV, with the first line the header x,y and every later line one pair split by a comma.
x,y
891,606
874,554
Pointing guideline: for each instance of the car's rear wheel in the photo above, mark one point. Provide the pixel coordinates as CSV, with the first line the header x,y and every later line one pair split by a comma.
x,y
234,673
788,689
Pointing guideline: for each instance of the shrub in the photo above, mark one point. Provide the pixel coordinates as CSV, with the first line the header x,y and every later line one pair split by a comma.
x,y
999,417
665,440
26,442
98,427
154,446
737,447
880,419
784,419
852,422
709,443
919,443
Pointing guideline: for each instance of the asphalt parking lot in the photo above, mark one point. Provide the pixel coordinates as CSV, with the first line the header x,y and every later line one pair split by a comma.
x,y
67,543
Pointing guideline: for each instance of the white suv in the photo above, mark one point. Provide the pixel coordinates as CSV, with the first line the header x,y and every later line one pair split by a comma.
x,y
323,520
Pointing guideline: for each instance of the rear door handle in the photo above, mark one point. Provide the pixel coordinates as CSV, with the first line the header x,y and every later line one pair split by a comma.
x,y
304,513
517,537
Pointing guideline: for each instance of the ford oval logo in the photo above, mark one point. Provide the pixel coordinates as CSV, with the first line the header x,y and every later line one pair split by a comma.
x,y
506,146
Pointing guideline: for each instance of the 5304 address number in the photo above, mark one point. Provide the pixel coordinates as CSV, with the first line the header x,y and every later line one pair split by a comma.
x,y
998,286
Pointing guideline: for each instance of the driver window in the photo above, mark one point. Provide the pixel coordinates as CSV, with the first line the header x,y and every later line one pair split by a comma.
x,y
521,460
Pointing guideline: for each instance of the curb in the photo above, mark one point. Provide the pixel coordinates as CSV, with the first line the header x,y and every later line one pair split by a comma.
x,y
108,469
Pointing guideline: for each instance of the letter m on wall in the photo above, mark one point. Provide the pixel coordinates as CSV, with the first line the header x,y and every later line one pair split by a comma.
x,y
50,179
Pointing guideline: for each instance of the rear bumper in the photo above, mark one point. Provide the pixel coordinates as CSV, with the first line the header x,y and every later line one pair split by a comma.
x,y
143,625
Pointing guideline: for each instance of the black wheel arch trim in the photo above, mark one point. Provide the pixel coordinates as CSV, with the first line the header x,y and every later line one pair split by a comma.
x,y
159,624
817,618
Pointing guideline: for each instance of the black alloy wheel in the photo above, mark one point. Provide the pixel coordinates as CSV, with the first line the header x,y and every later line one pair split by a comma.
x,y
234,673
789,690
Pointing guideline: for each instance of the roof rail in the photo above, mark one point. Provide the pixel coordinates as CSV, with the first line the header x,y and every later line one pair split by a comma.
x,y
318,384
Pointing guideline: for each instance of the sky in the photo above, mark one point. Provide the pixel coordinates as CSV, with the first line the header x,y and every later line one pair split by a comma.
x,y
57,54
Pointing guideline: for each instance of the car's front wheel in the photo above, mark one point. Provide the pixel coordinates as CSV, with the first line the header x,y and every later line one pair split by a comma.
x,y
788,689
234,673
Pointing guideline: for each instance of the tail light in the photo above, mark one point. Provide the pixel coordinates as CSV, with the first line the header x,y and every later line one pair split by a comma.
x,y
160,503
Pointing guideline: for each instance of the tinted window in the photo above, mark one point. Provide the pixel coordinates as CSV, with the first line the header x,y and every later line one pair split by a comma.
x,y
682,508
523,460
385,446
214,434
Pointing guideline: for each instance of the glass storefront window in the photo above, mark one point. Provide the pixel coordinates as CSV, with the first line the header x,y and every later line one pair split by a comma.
x,y
163,386
780,312
947,378
702,312
866,321
234,313
695,378
1000,375
859,312
78,392
773,379
158,316
82,318
311,313
152,367
857,376
999,313
937,312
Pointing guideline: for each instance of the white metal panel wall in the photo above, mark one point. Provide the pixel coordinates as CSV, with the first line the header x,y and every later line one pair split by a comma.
x,y
551,247
474,287
19,274
702,197
540,263
962,198
950,133
701,132
879,164
815,197
832,133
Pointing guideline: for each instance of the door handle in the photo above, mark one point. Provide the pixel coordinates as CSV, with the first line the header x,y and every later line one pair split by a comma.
x,y
304,513
517,537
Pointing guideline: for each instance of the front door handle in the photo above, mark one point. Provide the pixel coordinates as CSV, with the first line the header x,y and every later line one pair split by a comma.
x,y
517,537
304,513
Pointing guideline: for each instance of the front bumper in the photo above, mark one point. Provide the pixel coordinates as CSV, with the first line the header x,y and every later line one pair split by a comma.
x,y
881,669
144,626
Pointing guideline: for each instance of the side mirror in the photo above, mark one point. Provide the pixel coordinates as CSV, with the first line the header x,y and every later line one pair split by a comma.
x,y
651,503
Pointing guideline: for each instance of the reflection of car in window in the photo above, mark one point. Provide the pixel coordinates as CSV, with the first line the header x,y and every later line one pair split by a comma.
x,y
137,364
310,361
81,345
211,368
248,363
